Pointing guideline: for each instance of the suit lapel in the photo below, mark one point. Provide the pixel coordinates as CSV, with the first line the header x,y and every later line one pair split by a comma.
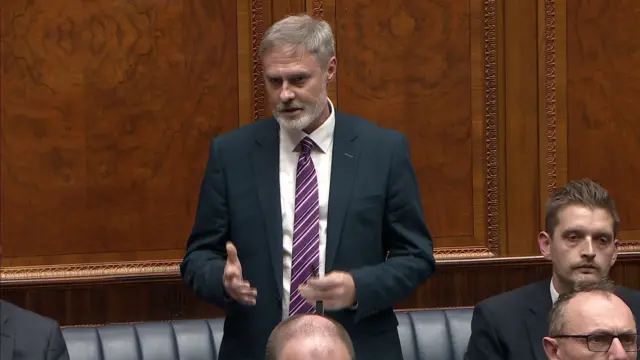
x,y
6,337
343,171
537,318
266,161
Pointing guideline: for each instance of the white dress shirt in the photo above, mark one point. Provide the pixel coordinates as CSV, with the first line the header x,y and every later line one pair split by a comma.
x,y
321,157
554,293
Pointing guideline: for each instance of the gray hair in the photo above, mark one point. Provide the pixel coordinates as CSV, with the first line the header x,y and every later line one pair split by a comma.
x,y
314,36
557,316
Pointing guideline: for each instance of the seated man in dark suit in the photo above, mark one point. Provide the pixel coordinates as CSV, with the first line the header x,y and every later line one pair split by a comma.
x,y
309,337
591,322
581,224
26,335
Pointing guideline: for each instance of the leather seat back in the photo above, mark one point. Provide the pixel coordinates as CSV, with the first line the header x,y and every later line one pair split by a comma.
x,y
434,334
183,339
424,335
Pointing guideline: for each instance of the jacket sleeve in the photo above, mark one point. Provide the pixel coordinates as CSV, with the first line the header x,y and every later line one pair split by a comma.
x,y
483,343
406,238
57,347
203,264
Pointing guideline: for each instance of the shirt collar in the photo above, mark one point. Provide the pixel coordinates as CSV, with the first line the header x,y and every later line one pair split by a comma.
x,y
554,293
322,136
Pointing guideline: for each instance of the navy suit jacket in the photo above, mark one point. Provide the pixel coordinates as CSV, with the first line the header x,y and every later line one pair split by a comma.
x,y
26,335
510,326
376,232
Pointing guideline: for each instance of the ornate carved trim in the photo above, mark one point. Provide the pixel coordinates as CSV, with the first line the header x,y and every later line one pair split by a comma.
x,y
550,90
491,123
318,8
629,247
462,253
95,271
257,32
156,270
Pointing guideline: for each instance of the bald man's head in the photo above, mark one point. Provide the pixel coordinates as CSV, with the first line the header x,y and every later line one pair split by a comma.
x,y
309,337
591,322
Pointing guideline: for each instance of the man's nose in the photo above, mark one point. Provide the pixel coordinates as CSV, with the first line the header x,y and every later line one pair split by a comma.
x,y
616,351
587,249
286,94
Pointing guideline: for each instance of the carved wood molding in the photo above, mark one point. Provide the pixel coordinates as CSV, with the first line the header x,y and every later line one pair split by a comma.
x,y
131,270
629,247
318,8
491,123
258,28
170,269
462,253
90,272
550,91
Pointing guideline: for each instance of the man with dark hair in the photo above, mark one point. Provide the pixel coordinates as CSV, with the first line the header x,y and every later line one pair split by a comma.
x,y
309,337
580,240
591,322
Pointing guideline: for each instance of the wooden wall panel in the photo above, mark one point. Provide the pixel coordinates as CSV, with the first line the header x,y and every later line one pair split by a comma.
x,y
102,103
326,10
519,58
603,88
588,117
429,70
107,113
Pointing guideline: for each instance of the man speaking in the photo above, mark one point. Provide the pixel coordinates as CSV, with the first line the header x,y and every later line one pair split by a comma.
x,y
312,206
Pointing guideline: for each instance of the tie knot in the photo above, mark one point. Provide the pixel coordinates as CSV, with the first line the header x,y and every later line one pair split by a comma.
x,y
306,145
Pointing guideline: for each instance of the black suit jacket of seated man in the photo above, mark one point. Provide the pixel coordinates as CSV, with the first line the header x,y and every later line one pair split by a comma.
x,y
510,326
26,335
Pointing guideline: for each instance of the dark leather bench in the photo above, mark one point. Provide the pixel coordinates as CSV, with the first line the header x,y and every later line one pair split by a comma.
x,y
425,335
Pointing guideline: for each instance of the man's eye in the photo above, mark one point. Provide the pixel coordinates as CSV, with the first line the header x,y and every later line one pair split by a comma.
x,y
627,339
601,338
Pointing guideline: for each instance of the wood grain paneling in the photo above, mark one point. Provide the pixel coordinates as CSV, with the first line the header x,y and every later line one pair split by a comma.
x,y
326,10
429,69
603,87
102,103
521,90
282,8
108,109
145,296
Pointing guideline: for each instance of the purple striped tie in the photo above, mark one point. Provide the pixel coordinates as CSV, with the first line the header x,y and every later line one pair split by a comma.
x,y
306,229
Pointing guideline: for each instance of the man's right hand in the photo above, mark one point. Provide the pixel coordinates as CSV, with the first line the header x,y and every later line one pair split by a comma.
x,y
237,288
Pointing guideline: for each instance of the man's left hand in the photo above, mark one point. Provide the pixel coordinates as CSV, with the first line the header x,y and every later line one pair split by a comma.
x,y
337,290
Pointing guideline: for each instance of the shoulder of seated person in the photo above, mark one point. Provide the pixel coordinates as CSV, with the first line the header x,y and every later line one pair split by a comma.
x,y
506,301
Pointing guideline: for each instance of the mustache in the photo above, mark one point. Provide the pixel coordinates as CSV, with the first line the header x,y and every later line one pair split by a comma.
x,y
586,265
292,106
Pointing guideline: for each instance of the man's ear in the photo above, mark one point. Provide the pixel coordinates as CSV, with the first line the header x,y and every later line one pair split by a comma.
x,y
332,67
616,243
551,348
544,242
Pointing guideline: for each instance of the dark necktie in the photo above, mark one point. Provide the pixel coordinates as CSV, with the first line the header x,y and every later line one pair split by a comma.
x,y
306,229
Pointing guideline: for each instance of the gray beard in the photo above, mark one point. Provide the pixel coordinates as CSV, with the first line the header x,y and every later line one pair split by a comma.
x,y
307,118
